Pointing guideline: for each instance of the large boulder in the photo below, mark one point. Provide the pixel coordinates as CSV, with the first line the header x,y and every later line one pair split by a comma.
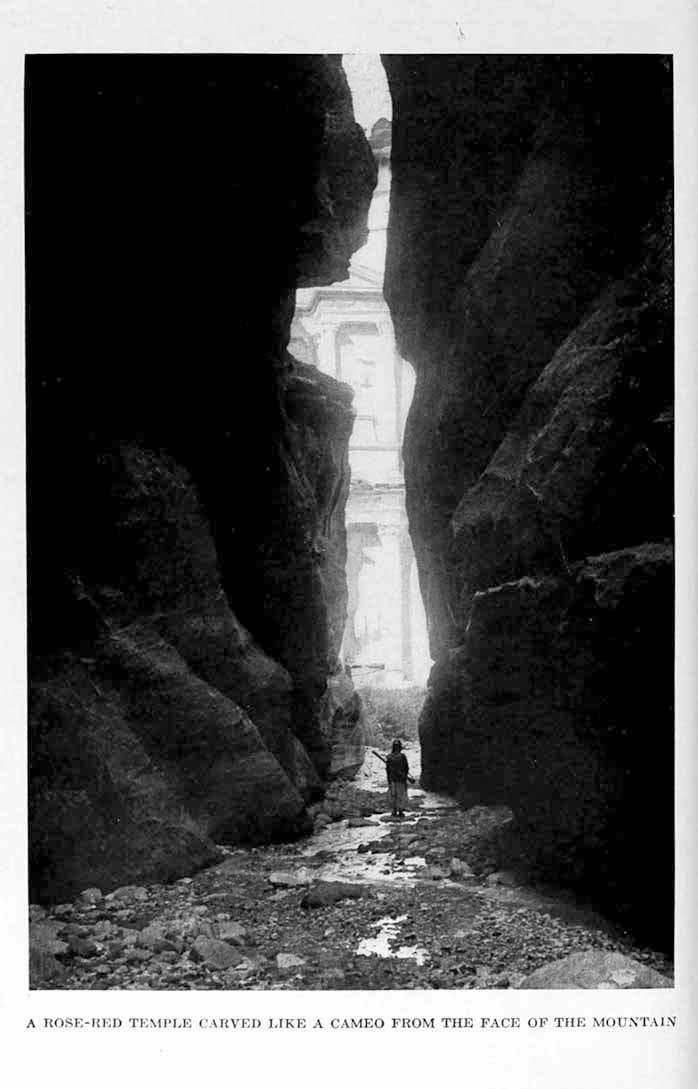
x,y
595,970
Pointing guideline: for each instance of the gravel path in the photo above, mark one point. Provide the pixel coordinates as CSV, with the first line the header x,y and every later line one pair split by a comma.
x,y
365,903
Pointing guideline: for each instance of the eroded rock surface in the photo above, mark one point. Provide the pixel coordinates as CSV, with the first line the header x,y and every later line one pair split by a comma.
x,y
593,970
186,477
529,277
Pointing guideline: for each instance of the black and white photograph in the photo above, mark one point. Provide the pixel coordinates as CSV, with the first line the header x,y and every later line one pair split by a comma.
x,y
350,493
350,481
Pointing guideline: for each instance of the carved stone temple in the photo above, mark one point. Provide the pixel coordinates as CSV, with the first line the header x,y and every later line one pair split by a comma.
x,y
345,330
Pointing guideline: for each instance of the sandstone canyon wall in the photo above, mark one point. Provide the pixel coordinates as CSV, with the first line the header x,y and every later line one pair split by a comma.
x,y
529,274
186,478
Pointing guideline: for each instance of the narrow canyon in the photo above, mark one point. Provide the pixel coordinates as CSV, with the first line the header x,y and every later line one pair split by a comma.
x,y
189,475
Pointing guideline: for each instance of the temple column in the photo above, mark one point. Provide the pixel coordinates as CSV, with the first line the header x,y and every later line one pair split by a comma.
x,y
387,600
327,349
406,559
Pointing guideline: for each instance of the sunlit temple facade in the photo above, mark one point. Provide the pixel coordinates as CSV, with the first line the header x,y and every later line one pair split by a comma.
x,y
345,329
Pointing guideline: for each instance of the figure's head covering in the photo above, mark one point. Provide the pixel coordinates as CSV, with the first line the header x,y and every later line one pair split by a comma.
x,y
397,745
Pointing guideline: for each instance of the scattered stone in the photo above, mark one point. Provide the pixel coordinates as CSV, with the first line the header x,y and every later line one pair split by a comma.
x,y
81,947
460,869
128,892
503,877
473,939
286,961
206,929
152,937
333,975
232,932
380,847
36,912
104,929
595,969
322,820
215,953
134,956
90,896
289,879
329,892
434,873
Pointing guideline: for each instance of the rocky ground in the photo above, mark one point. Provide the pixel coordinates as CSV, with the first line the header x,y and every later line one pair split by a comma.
x,y
364,903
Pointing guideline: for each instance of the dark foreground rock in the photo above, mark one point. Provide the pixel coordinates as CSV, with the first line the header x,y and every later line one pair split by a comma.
x,y
187,479
557,664
142,746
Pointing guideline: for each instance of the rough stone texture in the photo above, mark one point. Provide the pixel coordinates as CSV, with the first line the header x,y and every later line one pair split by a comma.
x,y
586,464
343,714
186,479
554,706
143,744
216,953
595,970
326,893
305,571
529,277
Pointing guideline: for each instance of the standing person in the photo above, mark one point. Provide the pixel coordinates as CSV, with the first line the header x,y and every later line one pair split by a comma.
x,y
397,770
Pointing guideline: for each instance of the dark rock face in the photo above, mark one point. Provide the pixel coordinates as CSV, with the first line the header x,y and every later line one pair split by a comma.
x,y
556,704
529,276
168,725
342,713
303,567
186,479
